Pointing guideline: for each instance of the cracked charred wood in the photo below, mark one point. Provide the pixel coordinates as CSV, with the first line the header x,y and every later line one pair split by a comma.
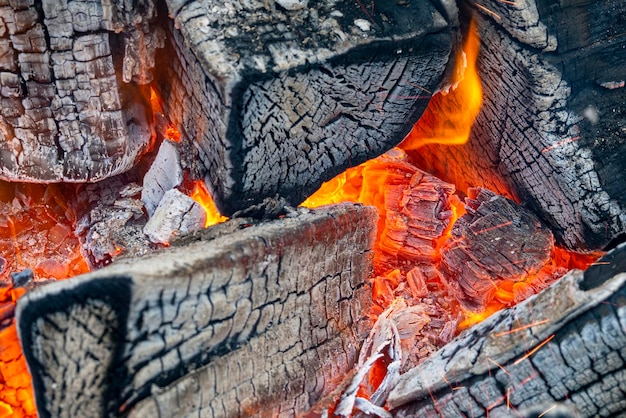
x,y
260,320
277,100
564,346
552,131
496,240
72,78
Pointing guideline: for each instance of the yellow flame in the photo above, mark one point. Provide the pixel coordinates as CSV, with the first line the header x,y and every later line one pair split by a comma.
x,y
201,194
449,117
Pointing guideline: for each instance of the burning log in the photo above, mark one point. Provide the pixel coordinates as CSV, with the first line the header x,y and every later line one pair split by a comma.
x,y
277,97
564,345
261,319
497,240
551,129
71,76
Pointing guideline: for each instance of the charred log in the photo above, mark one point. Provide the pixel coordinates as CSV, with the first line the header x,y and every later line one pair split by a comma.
x,y
260,320
278,100
551,132
566,345
73,108
496,240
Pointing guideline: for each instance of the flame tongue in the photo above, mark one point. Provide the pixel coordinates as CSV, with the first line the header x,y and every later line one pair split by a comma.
x,y
449,117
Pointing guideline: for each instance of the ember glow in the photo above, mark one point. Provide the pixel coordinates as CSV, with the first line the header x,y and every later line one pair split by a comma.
x,y
36,233
416,215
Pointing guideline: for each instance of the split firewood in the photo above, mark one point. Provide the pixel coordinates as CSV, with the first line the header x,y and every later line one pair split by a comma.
x,y
562,346
278,98
552,127
261,320
72,88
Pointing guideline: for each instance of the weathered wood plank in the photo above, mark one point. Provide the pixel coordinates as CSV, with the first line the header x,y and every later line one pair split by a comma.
x,y
551,132
565,345
71,88
263,318
277,101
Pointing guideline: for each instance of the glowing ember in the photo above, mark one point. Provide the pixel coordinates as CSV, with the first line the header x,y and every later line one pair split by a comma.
x,y
37,233
16,395
416,216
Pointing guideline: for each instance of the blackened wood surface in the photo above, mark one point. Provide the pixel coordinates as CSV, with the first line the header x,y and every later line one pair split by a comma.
x,y
261,319
563,345
552,130
278,101
496,240
72,108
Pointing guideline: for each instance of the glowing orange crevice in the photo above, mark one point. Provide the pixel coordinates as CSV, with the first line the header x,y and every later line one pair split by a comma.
x,y
201,194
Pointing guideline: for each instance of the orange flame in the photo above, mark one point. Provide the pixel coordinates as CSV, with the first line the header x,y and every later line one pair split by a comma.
x,y
201,194
449,117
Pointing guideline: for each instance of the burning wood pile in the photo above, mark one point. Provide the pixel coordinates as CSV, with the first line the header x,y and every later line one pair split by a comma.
x,y
123,122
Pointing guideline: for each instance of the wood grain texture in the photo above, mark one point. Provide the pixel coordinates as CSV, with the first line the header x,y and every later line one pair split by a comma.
x,y
263,318
275,102
551,132
71,87
497,240
566,345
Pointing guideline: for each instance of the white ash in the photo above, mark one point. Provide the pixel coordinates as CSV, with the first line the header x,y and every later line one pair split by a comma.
x,y
114,224
177,214
292,5
164,174
363,24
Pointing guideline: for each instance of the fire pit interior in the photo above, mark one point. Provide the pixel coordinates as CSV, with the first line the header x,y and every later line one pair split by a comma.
x,y
312,208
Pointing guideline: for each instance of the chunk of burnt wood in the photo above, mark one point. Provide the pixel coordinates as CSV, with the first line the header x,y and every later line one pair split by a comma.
x,y
552,130
278,100
496,240
262,319
418,211
73,108
563,346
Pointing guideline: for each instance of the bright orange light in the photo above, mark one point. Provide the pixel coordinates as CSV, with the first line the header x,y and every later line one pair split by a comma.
x,y
155,102
201,195
36,232
16,396
172,134
449,117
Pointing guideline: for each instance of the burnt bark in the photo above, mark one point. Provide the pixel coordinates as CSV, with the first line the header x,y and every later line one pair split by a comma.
x,y
551,132
260,319
73,108
277,101
566,345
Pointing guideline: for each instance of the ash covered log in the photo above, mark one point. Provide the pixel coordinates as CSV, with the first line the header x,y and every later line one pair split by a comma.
x,y
73,108
566,345
277,97
552,130
260,319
